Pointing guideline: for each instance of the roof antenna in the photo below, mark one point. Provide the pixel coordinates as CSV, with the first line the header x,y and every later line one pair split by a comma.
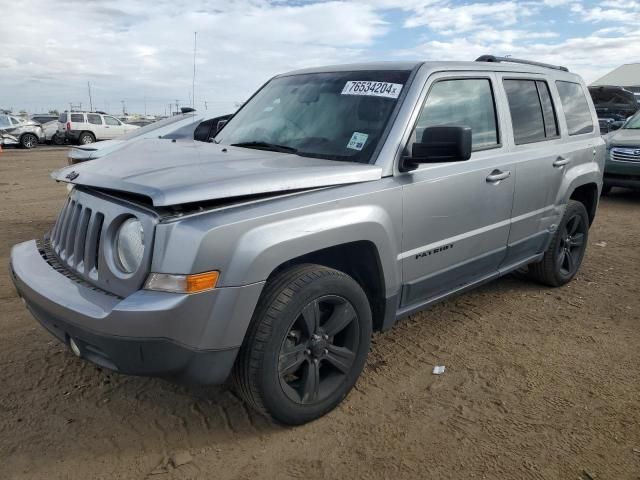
x,y
193,81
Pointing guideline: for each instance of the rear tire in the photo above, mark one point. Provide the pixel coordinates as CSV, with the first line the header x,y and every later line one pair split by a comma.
x,y
57,139
564,255
86,138
28,141
306,346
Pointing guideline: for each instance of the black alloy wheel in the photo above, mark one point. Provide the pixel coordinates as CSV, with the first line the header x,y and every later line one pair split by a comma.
x,y
319,349
570,248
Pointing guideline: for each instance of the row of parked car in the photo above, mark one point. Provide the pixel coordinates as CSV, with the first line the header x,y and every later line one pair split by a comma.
x,y
618,113
87,128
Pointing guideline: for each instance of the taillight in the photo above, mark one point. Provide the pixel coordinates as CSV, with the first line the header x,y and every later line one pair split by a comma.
x,y
68,125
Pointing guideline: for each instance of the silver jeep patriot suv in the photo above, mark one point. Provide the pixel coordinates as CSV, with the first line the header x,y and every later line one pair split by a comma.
x,y
336,201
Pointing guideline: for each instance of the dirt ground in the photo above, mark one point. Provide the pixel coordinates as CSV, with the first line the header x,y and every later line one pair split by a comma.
x,y
540,383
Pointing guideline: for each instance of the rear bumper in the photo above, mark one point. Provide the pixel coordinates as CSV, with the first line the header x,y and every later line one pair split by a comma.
x,y
191,338
72,135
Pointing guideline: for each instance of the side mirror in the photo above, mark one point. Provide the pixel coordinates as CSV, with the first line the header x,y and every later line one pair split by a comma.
x,y
440,144
615,126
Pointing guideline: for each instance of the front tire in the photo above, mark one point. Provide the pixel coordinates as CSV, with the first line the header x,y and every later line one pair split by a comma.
x,y
564,255
306,346
28,141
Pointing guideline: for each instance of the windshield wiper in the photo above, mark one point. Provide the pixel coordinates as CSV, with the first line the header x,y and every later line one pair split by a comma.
x,y
266,146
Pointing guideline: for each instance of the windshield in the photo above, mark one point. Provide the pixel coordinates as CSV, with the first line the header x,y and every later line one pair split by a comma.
x,y
633,123
337,115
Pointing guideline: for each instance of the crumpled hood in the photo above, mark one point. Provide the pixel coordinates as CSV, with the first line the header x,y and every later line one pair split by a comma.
x,y
625,137
174,173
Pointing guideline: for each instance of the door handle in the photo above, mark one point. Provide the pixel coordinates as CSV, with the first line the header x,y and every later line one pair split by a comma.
x,y
560,162
498,175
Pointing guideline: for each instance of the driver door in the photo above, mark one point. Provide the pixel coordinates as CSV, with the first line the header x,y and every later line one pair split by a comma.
x,y
457,214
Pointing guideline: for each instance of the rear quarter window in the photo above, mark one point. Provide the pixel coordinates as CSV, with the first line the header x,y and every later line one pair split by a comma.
x,y
94,119
77,117
576,108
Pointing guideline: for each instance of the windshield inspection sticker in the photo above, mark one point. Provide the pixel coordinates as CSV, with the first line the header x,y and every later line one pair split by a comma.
x,y
357,141
372,89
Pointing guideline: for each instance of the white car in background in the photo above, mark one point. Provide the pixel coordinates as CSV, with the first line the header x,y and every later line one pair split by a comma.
x,y
190,125
89,127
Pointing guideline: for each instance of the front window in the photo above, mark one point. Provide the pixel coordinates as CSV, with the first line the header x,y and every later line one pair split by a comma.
x,y
111,121
462,102
4,121
336,116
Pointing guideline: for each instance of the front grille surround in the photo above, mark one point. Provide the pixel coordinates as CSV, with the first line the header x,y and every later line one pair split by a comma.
x,y
83,236
626,154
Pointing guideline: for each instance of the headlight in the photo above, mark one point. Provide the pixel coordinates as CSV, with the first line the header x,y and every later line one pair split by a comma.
x,y
130,245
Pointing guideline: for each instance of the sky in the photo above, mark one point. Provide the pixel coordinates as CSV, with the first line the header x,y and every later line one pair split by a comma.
x,y
141,52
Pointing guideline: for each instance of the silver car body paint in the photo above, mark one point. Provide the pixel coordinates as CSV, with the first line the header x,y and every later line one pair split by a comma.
x,y
436,230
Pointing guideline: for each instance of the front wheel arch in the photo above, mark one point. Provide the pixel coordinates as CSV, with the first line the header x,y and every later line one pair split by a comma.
x,y
361,261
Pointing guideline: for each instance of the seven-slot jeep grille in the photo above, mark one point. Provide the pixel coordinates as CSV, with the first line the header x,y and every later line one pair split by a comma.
x,y
75,238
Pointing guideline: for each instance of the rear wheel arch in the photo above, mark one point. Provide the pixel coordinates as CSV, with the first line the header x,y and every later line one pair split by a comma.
x,y
587,194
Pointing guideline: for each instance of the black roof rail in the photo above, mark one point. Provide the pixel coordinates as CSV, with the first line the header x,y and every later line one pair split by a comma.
x,y
493,58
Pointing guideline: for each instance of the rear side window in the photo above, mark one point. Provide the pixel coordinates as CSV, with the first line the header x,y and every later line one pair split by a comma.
x,y
77,117
576,108
532,113
94,119
548,112
463,102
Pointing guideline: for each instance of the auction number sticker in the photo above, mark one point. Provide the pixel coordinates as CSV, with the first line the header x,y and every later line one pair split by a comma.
x,y
373,89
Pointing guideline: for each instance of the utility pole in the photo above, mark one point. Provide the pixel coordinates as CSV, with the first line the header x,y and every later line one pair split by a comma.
x,y
177,107
90,99
145,106
170,109
205,104
124,108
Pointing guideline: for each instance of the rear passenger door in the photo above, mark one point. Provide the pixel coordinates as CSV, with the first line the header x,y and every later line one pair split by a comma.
x,y
113,127
456,215
535,144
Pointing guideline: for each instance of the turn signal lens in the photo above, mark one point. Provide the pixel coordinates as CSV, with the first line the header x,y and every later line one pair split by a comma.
x,y
195,283
201,282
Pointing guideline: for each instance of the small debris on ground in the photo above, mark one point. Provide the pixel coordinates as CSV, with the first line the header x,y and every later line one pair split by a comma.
x,y
180,458
438,370
601,244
